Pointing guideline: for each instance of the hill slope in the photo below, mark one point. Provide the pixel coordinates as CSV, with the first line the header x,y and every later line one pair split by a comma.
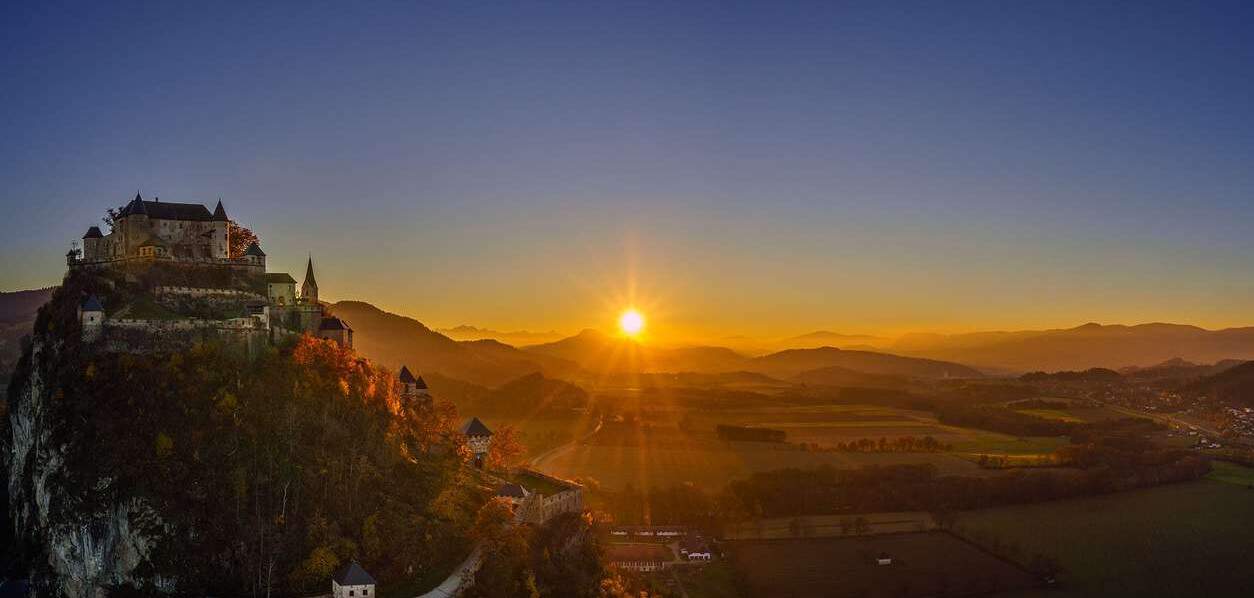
x,y
793,362
396,340
1235,384
1083,347
599,352
244,456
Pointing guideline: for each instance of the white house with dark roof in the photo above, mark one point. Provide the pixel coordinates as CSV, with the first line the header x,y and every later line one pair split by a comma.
x,y
91,316
478,438
352,581
337,330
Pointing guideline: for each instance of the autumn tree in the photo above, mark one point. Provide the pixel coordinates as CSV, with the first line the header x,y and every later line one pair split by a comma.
x,y
239,237
506,450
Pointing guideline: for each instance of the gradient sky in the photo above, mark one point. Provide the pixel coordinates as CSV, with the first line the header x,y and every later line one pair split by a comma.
x,y
748,169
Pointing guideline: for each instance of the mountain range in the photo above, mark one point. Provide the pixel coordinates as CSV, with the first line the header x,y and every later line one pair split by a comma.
x,y
466,332
395,340
598,352
1082,347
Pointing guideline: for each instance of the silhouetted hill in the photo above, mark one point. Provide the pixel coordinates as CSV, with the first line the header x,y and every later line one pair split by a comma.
x,y
793,362
599,352
1235,384
1083,347
844,377
1179,369
17,317
825,338
466,332
396,340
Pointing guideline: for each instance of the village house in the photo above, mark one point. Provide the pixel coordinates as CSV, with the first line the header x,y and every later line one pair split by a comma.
x,y
352,582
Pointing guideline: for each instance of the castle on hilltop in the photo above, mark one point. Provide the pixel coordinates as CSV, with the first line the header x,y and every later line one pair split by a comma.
x,y
179,257
160,230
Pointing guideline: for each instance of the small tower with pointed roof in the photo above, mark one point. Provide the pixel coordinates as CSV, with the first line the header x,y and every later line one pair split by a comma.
x,y
91,244
478,439
309,288
412,386
255,256
91,317
221,233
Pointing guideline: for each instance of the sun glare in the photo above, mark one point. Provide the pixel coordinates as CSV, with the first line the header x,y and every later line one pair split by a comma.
x,y
631,322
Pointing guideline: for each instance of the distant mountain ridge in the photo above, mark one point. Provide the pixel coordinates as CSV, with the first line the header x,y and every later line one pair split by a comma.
x,y
1088,346
598,352
396,340
466,332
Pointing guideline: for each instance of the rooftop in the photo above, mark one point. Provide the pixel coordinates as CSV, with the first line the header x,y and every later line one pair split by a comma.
x,y
166,210
474,427
279,277
334,323
353,575
627,553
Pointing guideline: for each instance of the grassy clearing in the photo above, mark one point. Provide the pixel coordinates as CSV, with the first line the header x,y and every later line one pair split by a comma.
x,y
1231,473
1190,539
715,580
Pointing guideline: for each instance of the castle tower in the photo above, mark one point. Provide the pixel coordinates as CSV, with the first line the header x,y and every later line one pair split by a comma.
x,y
136,227
221,245
91,317
309,289
255,256
407,382
91,244
478,439
411,386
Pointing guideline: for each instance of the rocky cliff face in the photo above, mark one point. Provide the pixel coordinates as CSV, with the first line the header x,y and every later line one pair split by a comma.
x,y
216,468
87,549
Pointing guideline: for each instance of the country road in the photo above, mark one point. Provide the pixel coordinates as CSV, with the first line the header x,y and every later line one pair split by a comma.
x,y
537,461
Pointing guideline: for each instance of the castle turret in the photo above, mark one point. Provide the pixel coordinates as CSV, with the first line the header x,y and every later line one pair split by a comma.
x,y
91,317
135,227
309,289
478,439
221,233
255,256
411,386
91,244
407,381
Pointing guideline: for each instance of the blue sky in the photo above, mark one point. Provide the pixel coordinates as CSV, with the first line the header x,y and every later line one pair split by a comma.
x,y
745,168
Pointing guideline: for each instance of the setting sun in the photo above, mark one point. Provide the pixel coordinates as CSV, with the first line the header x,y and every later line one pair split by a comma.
x,y
631,322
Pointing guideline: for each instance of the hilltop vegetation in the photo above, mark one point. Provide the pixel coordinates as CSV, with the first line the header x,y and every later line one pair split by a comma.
x,y
277,466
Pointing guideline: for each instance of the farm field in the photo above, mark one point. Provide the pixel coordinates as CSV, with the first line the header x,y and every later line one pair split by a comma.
x,y
712,463
827,526
662,454
1190,539
827,425
923,564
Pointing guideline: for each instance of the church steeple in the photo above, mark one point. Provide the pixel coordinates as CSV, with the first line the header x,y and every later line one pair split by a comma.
x,y
219,213
309,289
